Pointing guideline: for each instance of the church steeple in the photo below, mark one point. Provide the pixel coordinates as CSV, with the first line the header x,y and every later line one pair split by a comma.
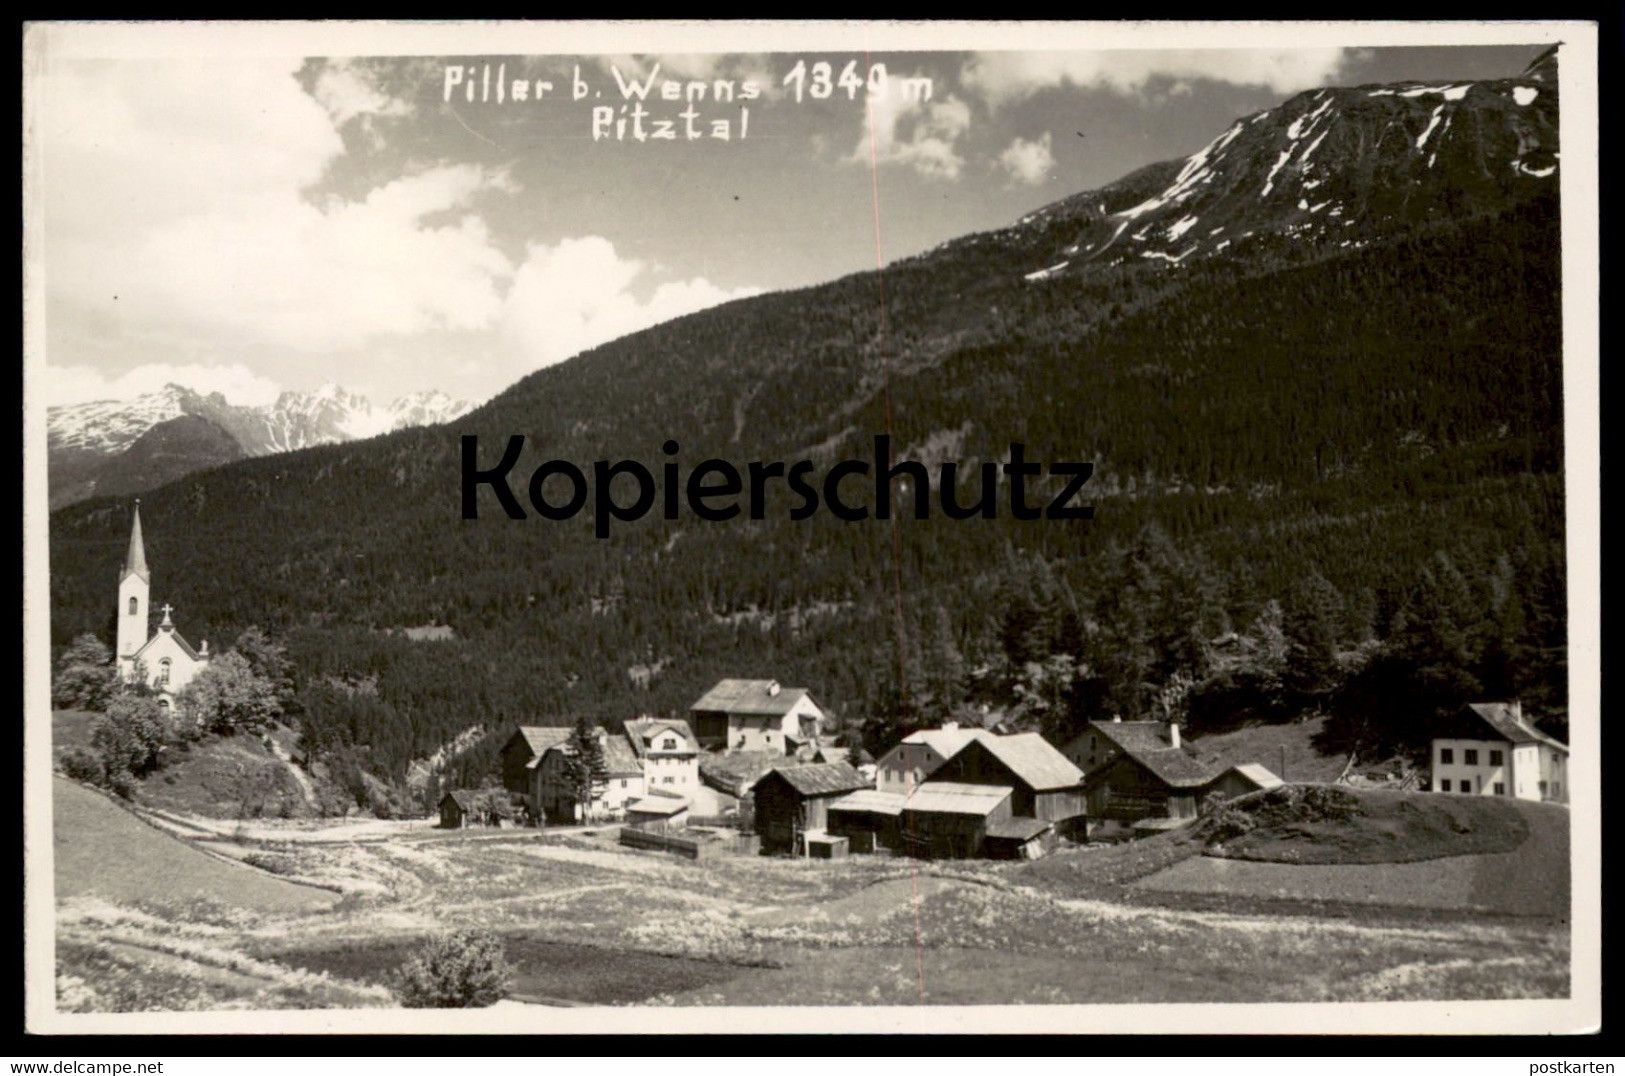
x,y
135,562
133,584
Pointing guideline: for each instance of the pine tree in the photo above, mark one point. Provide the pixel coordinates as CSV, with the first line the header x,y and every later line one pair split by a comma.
x,y
585,769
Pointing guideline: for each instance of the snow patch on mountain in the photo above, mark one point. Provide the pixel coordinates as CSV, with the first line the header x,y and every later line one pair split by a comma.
x,y
329,415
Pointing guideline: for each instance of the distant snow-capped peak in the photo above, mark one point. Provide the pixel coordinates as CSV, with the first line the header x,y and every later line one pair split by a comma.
x,y
326,415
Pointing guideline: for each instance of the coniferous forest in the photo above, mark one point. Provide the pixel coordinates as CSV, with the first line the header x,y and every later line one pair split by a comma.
x,y
1323,483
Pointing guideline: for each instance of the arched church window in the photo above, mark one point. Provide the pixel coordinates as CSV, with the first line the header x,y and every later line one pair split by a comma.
x,y
163,671
135,606
163,704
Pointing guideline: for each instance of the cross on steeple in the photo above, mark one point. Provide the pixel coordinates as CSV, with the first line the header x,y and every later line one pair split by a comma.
x,y
166,609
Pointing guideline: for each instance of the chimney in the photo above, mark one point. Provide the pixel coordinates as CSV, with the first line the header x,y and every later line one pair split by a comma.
x,y
772,687
949,726
1117,719
1173,734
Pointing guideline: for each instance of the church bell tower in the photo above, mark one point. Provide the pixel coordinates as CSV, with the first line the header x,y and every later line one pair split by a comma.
x,y
133,586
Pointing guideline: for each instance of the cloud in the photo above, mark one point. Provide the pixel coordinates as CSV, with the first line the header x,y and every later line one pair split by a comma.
x,y
1005,77
83,384
175,201
1028,162
923,135
347,91
580,293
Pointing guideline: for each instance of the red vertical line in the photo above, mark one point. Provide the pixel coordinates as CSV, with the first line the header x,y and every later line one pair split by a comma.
x,y
896,529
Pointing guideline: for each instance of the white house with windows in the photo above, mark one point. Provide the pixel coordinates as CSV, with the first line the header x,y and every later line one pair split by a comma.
x,y
1492,751
756,715
163,656
669,752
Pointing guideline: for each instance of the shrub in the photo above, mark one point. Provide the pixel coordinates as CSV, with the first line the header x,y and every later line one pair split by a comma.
x,y
465,969
84,765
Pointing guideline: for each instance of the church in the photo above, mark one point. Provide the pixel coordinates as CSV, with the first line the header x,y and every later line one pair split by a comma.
x,y
168,660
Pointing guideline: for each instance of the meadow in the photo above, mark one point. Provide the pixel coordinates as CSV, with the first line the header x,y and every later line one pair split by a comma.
x,y
588,922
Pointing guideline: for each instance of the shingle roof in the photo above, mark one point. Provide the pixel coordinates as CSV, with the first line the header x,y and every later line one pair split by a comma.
x,y
946,741
619,757
870,801
659,805
1258,775
540,737
951,797
1017,829
735,774
1034,759
1506,719
467,798
641,731
749,697
1146,742
821,778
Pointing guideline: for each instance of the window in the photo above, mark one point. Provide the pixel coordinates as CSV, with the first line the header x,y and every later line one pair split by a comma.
x,y
667,780
623,782
1447,756
1495,758
1500,789
1557,788
1444,786
1543,789
163,672
669,744
1472,756
135,606
1467,786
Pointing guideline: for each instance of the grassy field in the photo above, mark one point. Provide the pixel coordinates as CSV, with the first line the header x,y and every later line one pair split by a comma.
x,y
588,921
1263,744
1375,826
104,850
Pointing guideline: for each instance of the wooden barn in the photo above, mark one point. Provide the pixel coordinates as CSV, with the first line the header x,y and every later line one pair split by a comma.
x,y
1017,838
792,801
658,812
521,761
1240,780
949,820
868,819
1153,777
1044,785
460,807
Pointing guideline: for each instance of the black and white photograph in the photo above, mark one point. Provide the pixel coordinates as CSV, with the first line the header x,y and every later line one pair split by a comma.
x,y
834,526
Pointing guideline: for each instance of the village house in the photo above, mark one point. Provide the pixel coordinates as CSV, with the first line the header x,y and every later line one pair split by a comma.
x,y
1003,797
1146,778
906,766
1491,750
521,761
792,803
669,752
562,803
1045,786
756,715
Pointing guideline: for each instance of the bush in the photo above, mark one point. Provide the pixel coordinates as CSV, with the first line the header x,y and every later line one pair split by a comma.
x,y
461,970
84,765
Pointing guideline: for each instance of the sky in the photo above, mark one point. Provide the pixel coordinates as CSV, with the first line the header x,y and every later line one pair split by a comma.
x,y
258,224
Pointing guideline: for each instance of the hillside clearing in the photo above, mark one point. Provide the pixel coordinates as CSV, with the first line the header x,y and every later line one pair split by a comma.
x,y
104,850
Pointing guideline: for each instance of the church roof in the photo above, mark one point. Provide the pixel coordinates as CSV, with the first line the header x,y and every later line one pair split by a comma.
x,y
135,561
180,641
